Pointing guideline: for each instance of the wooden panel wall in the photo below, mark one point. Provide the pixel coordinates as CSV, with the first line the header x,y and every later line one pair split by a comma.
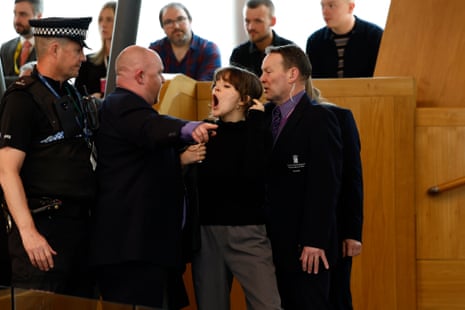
x,y
425,39
439,157
384,275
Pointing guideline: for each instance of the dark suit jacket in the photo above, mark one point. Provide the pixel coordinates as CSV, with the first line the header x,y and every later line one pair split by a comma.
x,y
350,204
303,184
7,53
139,209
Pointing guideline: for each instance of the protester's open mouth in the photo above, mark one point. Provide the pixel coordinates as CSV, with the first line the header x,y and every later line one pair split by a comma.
x,y
214,102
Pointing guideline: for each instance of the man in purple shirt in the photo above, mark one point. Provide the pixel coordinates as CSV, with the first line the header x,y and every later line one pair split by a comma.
x,y
181,50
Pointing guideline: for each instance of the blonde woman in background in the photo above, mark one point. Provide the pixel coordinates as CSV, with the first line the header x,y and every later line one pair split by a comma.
x,y
93,72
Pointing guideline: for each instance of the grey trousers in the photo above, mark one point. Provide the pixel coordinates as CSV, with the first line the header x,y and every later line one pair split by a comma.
x,y
243,252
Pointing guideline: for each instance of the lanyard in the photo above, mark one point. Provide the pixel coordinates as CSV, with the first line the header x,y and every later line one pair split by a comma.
x,y
16,57
54,92
47,84
80,119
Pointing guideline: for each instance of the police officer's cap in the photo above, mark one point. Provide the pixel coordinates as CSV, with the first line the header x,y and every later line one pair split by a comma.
x,y
71,28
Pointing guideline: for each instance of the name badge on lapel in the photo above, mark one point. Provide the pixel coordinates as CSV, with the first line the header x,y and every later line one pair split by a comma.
x,y
296,166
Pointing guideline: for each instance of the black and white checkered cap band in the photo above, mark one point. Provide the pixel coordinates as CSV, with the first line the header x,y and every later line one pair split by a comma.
x,y
76,33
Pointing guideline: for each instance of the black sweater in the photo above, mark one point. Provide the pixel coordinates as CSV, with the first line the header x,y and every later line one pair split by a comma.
x,y
360,54
231,185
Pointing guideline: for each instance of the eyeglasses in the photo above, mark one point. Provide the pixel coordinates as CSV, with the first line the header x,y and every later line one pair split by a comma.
x,y
180,20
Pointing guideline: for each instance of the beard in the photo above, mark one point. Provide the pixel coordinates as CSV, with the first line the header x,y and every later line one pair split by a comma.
x,y
23,31
180,38
258,39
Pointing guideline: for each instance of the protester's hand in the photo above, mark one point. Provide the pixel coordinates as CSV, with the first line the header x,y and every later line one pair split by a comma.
x,y
310,258
203,131
193,154
351,247
37,248
257,105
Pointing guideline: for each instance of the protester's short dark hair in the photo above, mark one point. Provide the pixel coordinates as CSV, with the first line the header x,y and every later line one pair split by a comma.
x,y
244,81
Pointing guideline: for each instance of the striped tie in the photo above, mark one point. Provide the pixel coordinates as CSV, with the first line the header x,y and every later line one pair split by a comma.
x,y
275,121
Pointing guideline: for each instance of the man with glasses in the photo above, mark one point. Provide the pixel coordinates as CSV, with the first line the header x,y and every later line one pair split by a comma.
x,y
181,50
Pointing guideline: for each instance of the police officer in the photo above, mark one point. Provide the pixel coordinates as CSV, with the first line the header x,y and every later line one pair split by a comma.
x,y
47,170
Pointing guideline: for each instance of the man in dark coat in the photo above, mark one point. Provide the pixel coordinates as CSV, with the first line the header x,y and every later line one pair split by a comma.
x,y
303,183
349,210
347,47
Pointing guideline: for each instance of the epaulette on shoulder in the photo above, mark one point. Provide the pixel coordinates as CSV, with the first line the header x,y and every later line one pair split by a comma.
x,y
23,82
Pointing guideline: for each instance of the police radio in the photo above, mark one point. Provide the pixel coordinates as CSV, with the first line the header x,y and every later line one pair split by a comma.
x,y
91,105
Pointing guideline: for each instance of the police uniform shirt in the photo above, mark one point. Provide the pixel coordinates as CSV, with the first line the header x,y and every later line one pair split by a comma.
x,y
22,121
52,164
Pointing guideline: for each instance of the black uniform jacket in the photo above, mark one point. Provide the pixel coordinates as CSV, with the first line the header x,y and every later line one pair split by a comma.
x,y
304,183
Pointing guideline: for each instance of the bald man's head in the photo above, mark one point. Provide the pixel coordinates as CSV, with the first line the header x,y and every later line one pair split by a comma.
x,y
139,70
134,58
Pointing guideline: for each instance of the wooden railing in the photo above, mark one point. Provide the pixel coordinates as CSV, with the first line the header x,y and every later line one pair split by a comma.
x,y
442,187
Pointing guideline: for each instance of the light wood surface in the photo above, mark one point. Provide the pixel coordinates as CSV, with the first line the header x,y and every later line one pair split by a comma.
x,y
384,275
440,149
180,99
441,285
426,40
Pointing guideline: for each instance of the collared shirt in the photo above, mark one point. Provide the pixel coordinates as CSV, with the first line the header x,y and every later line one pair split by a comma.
x,y
287,108
11,65
248,56
31,40
199,63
